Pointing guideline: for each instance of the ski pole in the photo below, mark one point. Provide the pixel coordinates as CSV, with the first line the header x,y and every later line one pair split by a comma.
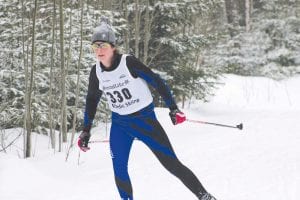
x,y
239,126
98,141
103,141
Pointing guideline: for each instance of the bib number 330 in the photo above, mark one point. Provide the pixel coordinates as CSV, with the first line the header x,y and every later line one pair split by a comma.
x,y
119,96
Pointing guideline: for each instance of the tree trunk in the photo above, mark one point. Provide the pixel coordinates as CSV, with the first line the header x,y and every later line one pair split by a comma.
x,y
63,78
52,135
29,88
26,78
183,101
247,14
147,32
78,80
137,27
127,25
69,43
229,11
241,14
232,16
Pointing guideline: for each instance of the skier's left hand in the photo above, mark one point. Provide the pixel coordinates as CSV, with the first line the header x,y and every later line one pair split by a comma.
x,y
177,116
83,141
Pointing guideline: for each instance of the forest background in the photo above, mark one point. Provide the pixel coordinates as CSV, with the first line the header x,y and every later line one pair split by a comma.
x,y
46,55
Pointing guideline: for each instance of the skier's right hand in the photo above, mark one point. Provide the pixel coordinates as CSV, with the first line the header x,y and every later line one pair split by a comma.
x,y
83,141
177,116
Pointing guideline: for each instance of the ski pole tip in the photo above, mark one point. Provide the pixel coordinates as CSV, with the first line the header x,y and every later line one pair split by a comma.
x,y
240,126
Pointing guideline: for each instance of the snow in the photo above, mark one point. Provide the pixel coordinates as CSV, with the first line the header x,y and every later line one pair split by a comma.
x,y
260,162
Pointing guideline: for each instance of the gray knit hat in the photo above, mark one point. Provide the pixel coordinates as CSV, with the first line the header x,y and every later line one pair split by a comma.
x,y
104,32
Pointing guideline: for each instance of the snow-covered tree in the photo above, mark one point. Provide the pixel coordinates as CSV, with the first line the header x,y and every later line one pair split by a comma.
x,y
270,48
187,42
179,43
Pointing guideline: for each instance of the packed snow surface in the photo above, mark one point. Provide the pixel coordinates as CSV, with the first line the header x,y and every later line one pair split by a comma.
x,y
260,162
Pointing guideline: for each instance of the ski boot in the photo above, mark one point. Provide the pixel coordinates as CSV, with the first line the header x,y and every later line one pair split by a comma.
x,y
206,196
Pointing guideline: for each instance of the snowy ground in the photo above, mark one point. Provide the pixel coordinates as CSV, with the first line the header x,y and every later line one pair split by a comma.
x,y
261,162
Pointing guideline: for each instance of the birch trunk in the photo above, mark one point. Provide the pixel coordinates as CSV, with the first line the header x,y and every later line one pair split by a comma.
x,y
26,78
63,133
78,80
52,135
127,25
29,88
147,32
137,27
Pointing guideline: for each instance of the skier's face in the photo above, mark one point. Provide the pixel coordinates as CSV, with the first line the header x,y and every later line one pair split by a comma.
x,y
104,52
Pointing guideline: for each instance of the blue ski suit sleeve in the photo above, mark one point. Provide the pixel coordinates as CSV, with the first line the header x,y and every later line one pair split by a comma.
x,y
138,69
92,99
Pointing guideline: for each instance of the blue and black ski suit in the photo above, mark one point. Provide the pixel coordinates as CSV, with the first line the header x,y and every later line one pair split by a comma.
x,y
125,86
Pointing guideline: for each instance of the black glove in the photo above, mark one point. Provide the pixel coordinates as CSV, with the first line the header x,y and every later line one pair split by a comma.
x,y
177,116
83,141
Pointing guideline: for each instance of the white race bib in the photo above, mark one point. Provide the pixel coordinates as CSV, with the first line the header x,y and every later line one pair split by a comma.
x,y
125,93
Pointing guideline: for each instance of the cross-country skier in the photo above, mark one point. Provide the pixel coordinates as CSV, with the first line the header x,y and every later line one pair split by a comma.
x,y
124,80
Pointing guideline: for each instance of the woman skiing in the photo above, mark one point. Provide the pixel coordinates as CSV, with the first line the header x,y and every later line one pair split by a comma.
x,y
123,80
